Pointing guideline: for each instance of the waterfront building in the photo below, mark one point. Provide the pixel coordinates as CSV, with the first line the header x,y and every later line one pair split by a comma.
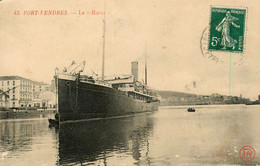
x,y
226,98
18,89
19,92
39,88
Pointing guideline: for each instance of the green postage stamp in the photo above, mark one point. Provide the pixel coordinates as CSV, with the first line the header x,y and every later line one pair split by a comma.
x,y
227,27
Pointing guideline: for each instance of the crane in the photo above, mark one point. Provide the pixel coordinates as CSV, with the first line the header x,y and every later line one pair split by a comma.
x,y
5,93
76,70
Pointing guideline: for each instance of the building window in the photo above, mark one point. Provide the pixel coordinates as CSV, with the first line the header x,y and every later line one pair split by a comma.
x,y
13,96
13,103
7,82
13,82
13,90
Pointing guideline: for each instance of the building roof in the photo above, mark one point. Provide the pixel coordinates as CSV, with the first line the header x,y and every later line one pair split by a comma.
x,y
13,78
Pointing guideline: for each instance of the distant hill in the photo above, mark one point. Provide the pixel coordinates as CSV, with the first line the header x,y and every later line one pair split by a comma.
x,y
166,94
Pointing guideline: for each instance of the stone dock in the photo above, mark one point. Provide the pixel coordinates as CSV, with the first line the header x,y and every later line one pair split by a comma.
x,y
23,114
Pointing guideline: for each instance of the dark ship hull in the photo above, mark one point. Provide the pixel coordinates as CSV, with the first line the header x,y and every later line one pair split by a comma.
x,y
80,100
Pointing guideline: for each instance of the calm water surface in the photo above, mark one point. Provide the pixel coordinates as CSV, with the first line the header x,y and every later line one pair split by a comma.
x,y
213,135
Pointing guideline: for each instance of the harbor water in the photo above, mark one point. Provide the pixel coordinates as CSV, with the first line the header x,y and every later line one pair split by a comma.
x,y
213,135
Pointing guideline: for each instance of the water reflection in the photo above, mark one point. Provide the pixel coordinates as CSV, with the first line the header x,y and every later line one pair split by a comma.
x,y
97,141
17,135
27,142
170,136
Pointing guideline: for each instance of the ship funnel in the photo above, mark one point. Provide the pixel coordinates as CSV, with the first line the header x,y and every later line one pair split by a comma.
x,y
134,70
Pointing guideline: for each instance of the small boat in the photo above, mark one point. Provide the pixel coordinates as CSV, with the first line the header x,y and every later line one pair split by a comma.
x,y
53,121
191,110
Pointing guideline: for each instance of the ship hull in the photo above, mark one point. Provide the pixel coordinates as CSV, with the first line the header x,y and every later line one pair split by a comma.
x,y
83,100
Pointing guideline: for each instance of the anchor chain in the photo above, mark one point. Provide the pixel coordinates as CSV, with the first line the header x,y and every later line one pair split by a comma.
x,y
74,107
77,93
70,96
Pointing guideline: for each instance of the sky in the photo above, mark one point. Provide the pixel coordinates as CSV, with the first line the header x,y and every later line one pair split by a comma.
x,y
32,46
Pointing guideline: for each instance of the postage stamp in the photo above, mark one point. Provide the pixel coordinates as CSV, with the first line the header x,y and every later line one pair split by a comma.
x,y
227,27
225,36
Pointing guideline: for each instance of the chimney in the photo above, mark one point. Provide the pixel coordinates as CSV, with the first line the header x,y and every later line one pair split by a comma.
x,y
134,70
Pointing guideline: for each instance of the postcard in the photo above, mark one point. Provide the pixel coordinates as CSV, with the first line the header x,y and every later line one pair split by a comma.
x,y
115,82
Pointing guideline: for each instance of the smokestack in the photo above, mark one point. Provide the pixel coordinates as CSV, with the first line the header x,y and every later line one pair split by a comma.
x,y
134,70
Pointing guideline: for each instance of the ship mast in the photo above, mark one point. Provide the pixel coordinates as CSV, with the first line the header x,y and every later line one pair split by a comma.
x,y
145,66
104,41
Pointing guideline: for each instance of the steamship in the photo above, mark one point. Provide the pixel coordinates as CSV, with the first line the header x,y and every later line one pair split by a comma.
x,y
82,97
